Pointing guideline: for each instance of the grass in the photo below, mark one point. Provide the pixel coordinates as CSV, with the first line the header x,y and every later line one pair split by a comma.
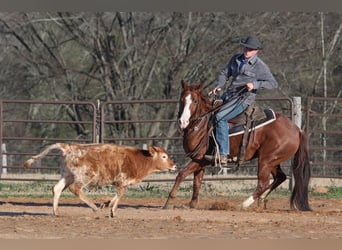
x,y
154,190
333,193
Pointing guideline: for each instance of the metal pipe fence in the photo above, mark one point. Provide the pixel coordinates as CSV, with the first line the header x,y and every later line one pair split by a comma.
x,y
27,126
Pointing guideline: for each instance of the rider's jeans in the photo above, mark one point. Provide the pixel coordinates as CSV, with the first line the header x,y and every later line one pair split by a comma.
x,y
226,113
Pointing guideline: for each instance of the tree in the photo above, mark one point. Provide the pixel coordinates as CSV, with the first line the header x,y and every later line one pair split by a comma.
x,y
110,56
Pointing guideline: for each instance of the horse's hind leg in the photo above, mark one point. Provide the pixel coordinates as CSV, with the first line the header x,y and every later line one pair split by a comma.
x,y
278,178
264,184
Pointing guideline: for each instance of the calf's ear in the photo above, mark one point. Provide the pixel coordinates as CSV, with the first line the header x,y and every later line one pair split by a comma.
x,y
152,150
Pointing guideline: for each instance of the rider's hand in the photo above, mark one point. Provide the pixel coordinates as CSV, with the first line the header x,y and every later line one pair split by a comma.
x,y
214,91
250,86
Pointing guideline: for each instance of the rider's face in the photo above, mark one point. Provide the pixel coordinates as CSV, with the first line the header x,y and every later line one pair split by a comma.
x,y
248,52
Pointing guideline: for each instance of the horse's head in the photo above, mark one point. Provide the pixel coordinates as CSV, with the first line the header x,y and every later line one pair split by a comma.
x,y
192,104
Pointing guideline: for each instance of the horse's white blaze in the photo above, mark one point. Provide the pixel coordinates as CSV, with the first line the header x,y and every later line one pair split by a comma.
x,y
185,117
248,202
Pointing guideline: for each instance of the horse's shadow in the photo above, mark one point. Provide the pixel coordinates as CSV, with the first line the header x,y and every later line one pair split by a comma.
x,y
49,204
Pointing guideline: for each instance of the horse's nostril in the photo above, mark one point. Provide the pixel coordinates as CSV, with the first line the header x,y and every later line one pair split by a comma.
x,y
183,123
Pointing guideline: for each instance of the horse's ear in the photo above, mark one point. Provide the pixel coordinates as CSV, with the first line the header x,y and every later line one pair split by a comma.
x,y
183,84
199,87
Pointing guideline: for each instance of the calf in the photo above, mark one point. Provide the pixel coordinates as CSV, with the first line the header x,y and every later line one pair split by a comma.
x,y
95,165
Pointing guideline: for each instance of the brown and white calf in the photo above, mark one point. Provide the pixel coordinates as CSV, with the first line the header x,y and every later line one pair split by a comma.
x,y
94,165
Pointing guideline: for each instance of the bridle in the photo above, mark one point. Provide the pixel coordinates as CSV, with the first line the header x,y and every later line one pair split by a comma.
x,y
197,123
208,112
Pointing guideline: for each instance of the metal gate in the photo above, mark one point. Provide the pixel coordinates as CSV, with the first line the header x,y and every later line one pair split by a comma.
x,y
323,128
26,127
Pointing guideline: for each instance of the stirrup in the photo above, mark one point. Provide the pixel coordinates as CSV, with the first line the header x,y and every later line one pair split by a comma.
x,y
217,158
217,102
233,159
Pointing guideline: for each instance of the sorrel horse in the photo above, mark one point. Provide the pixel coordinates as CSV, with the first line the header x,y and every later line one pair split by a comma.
x,y
271,144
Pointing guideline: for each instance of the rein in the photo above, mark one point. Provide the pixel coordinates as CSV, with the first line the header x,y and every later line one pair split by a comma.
x,y
215,108
212,110
192,132
198,123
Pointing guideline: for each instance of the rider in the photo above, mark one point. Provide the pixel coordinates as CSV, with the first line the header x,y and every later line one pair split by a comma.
x,y
249,73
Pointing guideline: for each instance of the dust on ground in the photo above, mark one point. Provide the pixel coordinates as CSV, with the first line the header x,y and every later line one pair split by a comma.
x,y
144,218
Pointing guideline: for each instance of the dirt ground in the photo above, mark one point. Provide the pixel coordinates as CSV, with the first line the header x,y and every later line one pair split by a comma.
x,y
145,219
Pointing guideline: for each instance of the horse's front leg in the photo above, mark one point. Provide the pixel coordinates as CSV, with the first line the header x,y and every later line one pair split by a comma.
x,y
198,177
189,169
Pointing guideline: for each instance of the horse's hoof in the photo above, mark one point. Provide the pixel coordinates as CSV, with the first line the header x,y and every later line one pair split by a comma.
x,y
241,207
182,207
192,205
238,207
167,206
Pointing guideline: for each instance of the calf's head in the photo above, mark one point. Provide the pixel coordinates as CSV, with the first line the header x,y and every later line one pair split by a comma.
x,y
161,160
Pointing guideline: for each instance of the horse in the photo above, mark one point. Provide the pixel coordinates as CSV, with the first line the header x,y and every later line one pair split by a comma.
x,y
272,144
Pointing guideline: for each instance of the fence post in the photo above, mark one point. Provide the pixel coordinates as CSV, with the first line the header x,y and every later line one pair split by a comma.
x,y
297,119
297,108
98,122
4,158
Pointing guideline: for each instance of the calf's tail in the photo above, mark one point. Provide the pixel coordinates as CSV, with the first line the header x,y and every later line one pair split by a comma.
x,y
29,162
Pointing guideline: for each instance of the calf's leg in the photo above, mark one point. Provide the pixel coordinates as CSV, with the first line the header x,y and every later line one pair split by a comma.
x,y
61,185
76,188
115,201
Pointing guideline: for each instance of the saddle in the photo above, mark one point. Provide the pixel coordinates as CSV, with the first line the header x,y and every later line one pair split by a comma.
x,y
253,114
249,120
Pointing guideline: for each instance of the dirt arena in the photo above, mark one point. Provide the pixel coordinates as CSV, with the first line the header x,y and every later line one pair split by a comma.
x,y
145,219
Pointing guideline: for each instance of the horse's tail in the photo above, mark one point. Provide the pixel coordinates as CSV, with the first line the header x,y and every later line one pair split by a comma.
x,y
301,174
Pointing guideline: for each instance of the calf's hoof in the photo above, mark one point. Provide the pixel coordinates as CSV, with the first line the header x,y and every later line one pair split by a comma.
x,y
104,204
112,214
